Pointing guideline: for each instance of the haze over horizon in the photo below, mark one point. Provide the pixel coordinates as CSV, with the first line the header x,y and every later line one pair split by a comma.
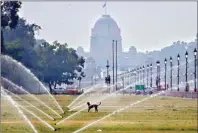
x,y
146,25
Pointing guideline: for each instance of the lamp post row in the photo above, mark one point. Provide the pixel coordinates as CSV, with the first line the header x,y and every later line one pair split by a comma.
x,y
140,73
141,70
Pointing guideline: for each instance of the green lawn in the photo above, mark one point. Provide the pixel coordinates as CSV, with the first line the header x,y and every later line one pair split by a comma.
x,y
160,114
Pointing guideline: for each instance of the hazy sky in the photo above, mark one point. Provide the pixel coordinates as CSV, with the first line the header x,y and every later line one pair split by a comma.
x,y
145,25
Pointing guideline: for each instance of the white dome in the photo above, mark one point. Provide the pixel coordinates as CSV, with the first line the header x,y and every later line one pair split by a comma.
x,y
105,25
105,20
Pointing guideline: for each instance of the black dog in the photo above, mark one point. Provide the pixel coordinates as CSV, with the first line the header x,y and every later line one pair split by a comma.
x,y
93,106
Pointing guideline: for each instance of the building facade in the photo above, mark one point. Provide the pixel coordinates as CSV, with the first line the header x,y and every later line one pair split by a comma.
x,y
103,33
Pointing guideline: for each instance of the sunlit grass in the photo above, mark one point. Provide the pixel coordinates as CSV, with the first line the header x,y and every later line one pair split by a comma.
x,y
160,114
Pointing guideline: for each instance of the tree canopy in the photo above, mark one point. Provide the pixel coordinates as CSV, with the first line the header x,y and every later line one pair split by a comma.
x,y
9,17
19,42
59,64
52,63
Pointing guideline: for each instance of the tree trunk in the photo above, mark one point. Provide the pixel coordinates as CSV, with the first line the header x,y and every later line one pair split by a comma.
x,y
55,85
50,87
157,82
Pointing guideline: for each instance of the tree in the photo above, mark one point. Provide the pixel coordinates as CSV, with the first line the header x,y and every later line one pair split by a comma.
x,y
54,64
59,64
20,42
9,17
15,50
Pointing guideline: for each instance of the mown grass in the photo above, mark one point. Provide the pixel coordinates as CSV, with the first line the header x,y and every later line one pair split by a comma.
x,y
160,114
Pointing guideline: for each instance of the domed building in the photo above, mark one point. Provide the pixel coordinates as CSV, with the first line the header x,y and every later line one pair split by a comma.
x,y
80,51
103,33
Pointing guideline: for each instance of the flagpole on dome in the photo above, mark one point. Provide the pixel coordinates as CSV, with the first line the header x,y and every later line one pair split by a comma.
x,y
105,6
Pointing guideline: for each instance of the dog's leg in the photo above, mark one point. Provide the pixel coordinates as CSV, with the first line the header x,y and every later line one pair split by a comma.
x,y
96,108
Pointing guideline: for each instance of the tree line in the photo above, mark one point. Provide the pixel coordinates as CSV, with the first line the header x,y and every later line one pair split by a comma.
x,y
53,64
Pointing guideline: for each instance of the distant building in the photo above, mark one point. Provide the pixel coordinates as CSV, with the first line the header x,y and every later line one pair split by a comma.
x,y
90,68
132,50
80,51
104,31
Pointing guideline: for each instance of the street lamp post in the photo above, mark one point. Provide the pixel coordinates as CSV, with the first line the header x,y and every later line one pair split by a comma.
x,y
107,66
123,84
126,77
158,75
186,56
143,71
135,72
151,75
165,62
171,72
195,72
113,60
108,79
116,62
140,75
196,56
147,75
131,79
178,58
133,76
130,76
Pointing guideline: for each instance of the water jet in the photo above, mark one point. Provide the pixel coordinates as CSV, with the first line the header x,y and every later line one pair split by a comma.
x,y
24,77
29,104
9,84
3,93
44,122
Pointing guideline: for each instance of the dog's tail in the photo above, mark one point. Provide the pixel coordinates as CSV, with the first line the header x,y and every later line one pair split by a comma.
x,y
99,103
